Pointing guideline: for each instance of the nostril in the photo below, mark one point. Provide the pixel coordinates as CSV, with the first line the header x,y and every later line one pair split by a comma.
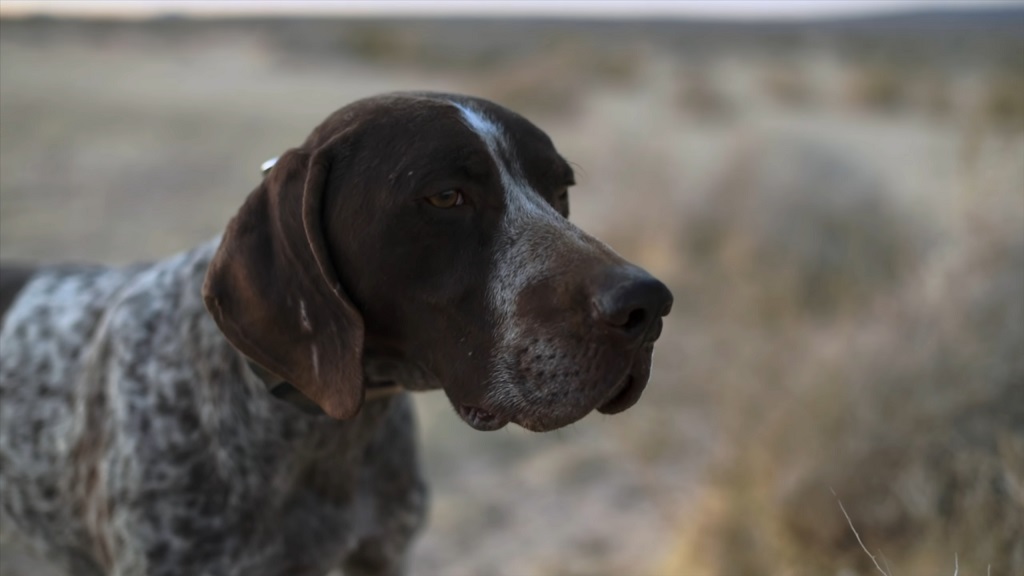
x,y
635,319
628,317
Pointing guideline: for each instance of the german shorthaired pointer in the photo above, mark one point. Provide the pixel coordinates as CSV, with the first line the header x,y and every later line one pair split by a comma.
x,y
416,239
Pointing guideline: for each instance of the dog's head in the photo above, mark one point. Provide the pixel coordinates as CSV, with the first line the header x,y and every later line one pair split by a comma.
x,y
423,238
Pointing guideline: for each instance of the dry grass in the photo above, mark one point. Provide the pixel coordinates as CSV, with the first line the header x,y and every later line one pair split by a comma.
x,y
556,79
788,85
797,228
878,87
911,411
1003,103
701,95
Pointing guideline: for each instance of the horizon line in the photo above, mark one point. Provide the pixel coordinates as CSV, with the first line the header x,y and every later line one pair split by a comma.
x,y
722,10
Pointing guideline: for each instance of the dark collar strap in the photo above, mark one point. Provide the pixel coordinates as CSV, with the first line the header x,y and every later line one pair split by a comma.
x,y
286,392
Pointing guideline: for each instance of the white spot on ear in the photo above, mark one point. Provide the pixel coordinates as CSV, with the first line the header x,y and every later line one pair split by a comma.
x,y
304,317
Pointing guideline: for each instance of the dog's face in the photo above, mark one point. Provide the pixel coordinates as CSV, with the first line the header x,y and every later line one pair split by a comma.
x,y
439,226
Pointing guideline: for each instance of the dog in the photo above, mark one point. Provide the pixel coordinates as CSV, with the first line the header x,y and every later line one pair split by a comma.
x,y
243,407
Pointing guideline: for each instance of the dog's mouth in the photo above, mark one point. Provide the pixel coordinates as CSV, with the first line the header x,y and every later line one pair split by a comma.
x,y
481,419
620,397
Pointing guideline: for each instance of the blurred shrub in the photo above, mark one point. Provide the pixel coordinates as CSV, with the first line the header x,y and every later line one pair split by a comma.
x,y
787,84
551,73
877,87
699,94
421,45
795,228
376,44
933,93
556,79
1003,104
914,416
542,83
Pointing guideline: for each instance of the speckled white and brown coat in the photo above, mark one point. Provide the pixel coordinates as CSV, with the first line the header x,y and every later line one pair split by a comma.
x,y
137,441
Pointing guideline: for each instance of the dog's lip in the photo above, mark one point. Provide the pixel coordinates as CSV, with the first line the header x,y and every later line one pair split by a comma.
x,y
629,390
620,398
481,418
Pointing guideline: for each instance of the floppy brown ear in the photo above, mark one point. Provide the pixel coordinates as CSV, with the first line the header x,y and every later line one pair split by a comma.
x,y
274,293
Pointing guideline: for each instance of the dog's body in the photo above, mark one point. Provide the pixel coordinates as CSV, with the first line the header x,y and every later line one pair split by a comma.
x,y
137,441
136,432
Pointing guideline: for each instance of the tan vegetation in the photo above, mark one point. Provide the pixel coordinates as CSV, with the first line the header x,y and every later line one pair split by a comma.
x,y
913,415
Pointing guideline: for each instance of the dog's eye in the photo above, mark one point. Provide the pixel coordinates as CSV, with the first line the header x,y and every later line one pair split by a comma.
x,y
447,199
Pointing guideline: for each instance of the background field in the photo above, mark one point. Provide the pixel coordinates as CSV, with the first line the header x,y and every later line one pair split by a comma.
x,y
838,207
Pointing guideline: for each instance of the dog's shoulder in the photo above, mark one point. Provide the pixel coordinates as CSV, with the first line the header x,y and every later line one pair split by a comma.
x,y
51,322
63,312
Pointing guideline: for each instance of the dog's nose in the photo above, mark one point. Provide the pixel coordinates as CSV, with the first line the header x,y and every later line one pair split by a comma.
x,y
631,301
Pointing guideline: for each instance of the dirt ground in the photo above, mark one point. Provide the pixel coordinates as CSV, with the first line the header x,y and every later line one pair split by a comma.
x,y
129,141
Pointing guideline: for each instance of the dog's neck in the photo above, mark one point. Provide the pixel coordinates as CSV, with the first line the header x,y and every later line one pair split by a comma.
x,y
382,368
385,376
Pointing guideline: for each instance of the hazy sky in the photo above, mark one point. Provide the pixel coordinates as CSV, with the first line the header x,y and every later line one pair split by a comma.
x,y
732,9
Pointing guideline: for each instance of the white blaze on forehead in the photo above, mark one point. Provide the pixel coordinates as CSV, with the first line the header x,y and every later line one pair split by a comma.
x,y
487,129
520,199
531,229
497,143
